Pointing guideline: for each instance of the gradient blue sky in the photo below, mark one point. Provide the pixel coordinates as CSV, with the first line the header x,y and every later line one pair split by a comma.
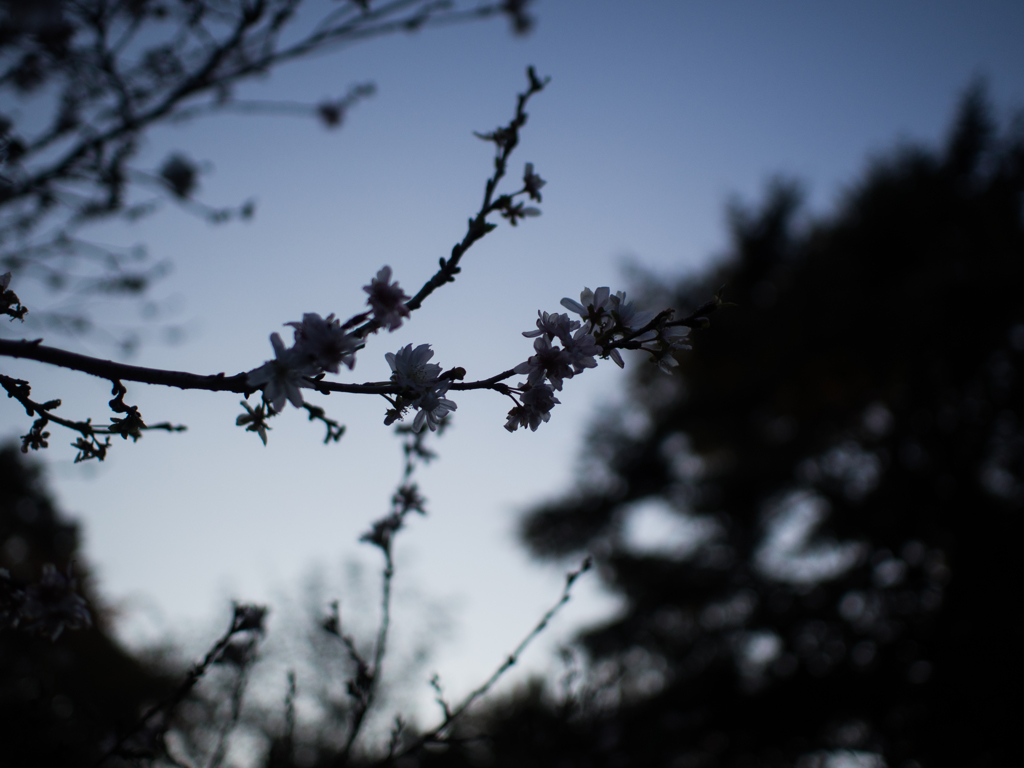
x,y
658,114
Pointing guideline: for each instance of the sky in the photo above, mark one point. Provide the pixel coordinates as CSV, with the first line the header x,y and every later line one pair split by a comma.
x,y
658,115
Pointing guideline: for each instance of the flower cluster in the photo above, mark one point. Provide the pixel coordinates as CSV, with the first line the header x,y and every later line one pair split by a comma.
x,y
422,385
535,408
323,345
608,322
611,318
557,363
563,347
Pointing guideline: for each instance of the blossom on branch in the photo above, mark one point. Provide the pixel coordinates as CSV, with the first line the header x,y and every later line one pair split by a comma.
x,y
550,361
554,325
516,211
662,343
594,307
578,351
581,349
254,421
387,300
536,408
422,387
282,378
410,369
532,182
627,314
323,343
433,408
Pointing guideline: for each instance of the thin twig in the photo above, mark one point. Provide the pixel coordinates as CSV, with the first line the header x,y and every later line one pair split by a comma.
x,y
246,618
437,734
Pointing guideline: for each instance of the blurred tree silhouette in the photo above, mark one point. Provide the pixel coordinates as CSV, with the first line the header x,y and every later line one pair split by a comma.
x,y
837,476
59,701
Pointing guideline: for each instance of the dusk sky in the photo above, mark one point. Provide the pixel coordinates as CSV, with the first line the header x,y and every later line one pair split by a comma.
x,y
658,114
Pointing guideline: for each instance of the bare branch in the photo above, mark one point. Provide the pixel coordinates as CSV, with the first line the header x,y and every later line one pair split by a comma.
x,y
439,733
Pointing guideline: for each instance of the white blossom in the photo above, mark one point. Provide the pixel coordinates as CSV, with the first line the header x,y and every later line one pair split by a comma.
x,y
387,300
594,307
663,342
554,325
550,361
627,313
580,349
410,369
423,390
282,378
433,407
536,408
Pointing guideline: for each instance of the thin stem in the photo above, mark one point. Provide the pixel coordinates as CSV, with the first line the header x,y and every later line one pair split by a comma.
x,y
478,224
237,695
170,702
437,734
364,704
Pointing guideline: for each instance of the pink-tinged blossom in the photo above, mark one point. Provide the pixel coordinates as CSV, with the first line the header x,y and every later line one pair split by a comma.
x,y
551,362
387,300
536,408
281,379
323,344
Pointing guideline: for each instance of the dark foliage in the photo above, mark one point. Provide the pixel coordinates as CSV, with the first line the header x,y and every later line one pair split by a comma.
x,y
847,446
60,700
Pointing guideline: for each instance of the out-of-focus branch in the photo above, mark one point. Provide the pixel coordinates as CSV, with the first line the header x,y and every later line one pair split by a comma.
x,y
363,686
437,734
246,619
